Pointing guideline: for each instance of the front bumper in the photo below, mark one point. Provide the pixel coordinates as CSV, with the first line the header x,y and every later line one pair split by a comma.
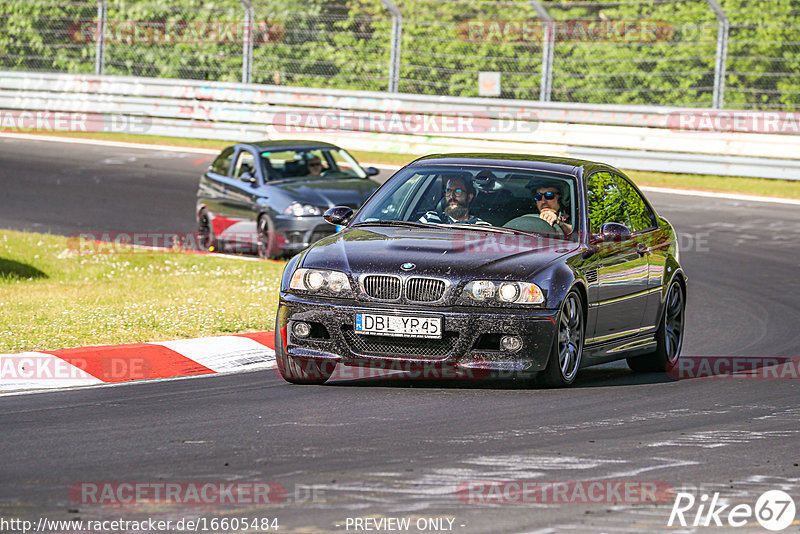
x,y
296,234
470,338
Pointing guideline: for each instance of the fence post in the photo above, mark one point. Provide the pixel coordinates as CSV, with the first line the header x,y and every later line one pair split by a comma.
x,y
723,28
247,41
397,33
548,41
100,38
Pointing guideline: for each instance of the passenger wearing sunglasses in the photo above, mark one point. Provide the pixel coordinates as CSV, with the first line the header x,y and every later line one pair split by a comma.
x,y
548,201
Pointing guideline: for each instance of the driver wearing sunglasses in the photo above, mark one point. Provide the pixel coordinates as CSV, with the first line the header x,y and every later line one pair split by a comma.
x,y
314,166
548,201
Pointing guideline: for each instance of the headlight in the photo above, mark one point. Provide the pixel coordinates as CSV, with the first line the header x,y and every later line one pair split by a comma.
x,y
505,292
321,281
301,210
481,290
509,291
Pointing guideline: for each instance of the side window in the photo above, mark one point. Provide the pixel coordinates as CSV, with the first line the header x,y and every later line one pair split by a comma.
x,y
245,163
404,202
222,164
604,202
640,214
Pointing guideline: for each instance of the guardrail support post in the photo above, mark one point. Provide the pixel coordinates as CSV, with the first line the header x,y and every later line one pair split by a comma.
x,y
548,42
247,41
397,34
723,28
100,38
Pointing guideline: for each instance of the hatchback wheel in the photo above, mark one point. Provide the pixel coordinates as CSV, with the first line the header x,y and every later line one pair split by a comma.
x,y
267,244
205,233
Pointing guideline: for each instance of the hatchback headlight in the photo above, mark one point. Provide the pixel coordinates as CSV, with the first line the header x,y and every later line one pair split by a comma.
x,y
321,281
301,210
504,292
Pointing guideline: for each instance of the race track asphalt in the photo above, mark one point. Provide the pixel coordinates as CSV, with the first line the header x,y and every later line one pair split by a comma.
x,y
386,448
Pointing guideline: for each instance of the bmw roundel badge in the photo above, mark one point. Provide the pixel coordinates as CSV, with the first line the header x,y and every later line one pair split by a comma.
x,y
407,266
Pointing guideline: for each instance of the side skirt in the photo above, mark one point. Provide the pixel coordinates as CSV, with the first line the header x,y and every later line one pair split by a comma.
x,y
617,349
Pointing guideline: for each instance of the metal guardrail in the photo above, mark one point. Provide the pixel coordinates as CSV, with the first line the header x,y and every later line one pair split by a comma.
x,y
634,137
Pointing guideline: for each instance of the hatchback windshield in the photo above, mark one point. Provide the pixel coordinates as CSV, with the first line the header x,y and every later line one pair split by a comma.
x,y
507,198
310,164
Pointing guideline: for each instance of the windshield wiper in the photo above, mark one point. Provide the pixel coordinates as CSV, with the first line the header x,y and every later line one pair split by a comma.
x,y
389,222
480,228
416,224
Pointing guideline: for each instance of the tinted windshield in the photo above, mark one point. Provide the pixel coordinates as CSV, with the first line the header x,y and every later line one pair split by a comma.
x,y
486,196
299,164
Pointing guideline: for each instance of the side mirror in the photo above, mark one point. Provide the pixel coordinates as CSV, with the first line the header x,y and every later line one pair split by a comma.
x,y
614,233
372,171
338,215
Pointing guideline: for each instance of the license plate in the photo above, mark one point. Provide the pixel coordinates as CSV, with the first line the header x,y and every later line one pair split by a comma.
x,y
398,325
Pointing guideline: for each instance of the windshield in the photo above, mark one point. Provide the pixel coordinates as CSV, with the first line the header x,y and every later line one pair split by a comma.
x,y
513,199
324,163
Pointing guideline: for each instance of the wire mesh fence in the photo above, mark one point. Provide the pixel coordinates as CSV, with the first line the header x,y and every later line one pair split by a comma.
x,y
325,45
740,54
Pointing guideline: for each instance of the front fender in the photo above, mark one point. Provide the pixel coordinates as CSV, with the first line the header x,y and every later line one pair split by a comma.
x,y
558,280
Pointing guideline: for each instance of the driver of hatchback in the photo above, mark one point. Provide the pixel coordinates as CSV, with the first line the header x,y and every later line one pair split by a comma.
x,y
548,198
314,165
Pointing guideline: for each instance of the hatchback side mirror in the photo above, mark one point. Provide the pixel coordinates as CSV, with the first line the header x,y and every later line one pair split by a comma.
x,y
338,215
372,171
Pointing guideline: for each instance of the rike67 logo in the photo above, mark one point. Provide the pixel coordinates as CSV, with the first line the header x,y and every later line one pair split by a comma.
x,y
774,510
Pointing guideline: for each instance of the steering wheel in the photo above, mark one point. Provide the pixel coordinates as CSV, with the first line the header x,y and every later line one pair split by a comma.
x,y
533,223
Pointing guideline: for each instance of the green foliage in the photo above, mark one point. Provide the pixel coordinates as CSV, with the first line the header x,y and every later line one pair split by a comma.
x,y
665,57
640,215
604,203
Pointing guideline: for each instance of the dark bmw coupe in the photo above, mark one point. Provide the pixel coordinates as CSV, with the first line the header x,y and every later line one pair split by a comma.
x,y
487,263
268,196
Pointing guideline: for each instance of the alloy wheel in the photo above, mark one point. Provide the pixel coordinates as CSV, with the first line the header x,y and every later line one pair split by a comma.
x,y
570,338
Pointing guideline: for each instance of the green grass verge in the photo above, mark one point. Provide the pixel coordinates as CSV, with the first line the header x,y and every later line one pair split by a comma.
x,y
722,184
53,297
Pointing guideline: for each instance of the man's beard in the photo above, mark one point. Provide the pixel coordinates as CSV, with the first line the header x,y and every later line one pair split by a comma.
x,y
457,212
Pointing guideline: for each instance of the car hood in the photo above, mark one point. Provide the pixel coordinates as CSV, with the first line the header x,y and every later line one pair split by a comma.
x,y
442,252
350,192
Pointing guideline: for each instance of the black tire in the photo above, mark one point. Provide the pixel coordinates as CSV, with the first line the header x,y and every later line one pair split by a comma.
x,y
567,351
206,240
267,241
306,371
669,336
